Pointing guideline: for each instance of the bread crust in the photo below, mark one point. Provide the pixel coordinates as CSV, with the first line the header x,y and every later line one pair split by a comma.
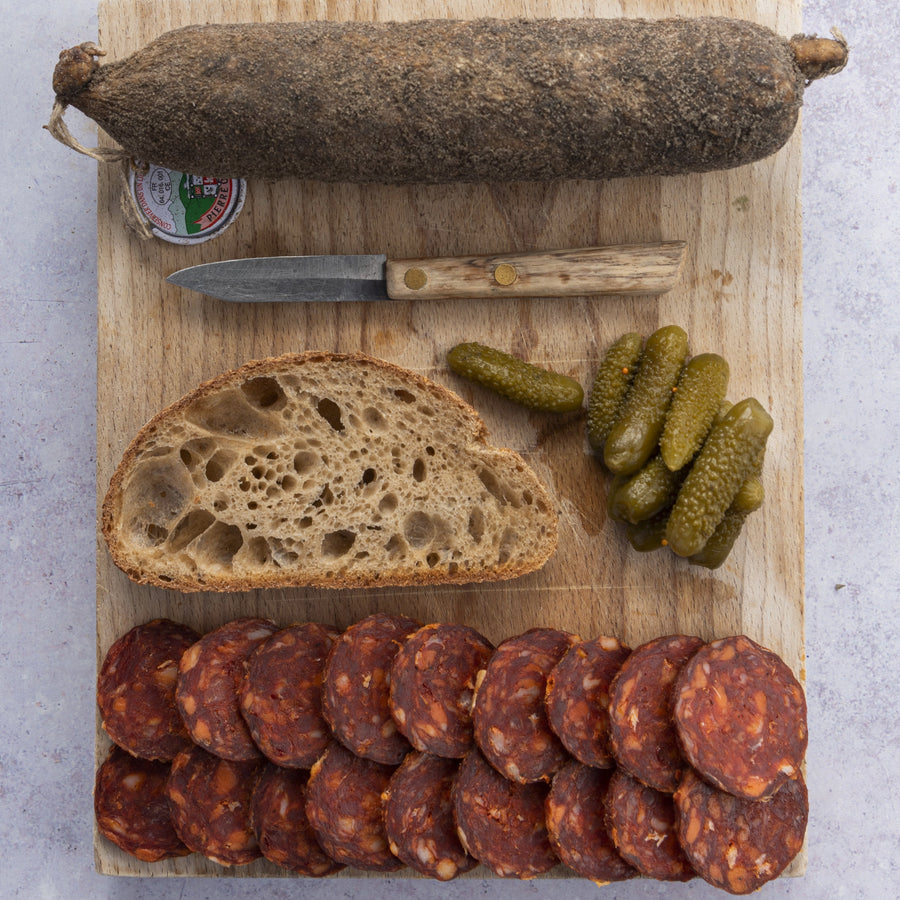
x,y
475,439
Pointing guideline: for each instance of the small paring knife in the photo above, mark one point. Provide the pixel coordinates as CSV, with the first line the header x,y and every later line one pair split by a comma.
x,y
626,269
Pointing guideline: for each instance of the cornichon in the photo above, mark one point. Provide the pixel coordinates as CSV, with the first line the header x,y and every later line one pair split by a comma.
x,y
747,500
522,382
651,489
698,396
727,459
611,384
649,535
635,435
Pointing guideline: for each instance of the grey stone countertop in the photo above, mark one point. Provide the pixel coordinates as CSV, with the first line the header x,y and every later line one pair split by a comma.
x,y
851,202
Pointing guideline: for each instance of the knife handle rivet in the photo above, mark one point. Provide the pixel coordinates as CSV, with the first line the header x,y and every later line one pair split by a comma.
x,y
415,279
505,274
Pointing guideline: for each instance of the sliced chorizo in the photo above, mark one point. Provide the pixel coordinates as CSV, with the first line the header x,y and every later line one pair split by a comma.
x,y
735,844
510,719
502,823
281,694
136,689
642,734
578,698
418,817
282,829
210,800
741,717
576,822
433,685
209,681
343,805
132,808
356,687
642,823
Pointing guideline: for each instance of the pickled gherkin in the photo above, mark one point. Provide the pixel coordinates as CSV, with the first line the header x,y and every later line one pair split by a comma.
x,y
731,454
698,396
519,381
651,489
635,435
611,384
649,535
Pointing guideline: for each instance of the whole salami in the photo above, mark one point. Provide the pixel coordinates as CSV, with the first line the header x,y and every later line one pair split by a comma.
x,y
735,844
578,698
510,719
209,679
343,805
136,689
282,829
210,801
433,685
356,687
132,809
741,717
642,735
500,822
418,817
642,823
281,694
577,827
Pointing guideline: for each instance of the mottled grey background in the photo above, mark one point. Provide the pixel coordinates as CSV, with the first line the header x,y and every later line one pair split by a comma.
x,y
851,207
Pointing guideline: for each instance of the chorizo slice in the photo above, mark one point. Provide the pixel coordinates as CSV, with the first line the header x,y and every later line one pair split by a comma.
x,y
343,806
735,844
578,698
209,681
210,800
642,735
510,719
132,809
576,822
281,694
418,817
433,685
741,717
642,822
136,689
282,829
356,687
502,823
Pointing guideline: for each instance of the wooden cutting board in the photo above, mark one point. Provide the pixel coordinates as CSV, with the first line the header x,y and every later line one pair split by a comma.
x,y
740,296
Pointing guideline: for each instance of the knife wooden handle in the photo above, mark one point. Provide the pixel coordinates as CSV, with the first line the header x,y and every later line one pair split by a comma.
x,y
625,269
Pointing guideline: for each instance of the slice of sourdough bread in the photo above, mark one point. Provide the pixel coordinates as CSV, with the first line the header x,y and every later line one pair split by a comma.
x,y
326,470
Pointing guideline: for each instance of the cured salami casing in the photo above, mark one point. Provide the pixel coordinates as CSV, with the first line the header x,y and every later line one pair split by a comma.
x,y
510,719
282,829
500,822
418,817
735,844
433,685
281,694
642,734
132,809
209,681
642,823
578,698
210,801
136,689
356,694
577,827
741,717
343,805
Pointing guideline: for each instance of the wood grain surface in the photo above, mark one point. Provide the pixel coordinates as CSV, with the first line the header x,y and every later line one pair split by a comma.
x,y
740,295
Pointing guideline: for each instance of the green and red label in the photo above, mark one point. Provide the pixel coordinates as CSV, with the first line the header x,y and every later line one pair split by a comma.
x,y
186,208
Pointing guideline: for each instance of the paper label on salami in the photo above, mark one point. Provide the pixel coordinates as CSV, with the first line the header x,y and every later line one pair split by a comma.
x,y
185,208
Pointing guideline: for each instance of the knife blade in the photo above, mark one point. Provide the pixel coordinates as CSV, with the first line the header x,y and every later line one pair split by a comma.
x,y
621,269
